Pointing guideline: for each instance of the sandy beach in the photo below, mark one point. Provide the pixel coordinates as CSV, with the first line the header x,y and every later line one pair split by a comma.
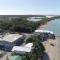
x,y
42,27
49,49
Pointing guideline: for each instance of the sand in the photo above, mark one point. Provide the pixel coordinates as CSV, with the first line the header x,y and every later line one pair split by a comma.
x,y
49,49
43,27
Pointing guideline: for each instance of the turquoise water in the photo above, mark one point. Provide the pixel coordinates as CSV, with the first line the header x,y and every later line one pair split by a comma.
x,y
54,26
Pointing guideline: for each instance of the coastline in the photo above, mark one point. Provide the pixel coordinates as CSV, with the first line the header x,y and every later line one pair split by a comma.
x,y
49,49
42,27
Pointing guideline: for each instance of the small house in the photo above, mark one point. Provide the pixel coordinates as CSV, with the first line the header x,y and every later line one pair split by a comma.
x,y
21,50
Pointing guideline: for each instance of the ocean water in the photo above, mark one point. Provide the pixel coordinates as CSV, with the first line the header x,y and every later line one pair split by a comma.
x,y
54,26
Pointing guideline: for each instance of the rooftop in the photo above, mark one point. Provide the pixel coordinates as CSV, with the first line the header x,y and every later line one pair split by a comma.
x,y
49,16
21,49
44,31
29,45
16,57
10,37
25,48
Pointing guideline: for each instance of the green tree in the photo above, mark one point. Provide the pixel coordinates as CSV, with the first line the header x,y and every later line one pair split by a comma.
x,y
37,51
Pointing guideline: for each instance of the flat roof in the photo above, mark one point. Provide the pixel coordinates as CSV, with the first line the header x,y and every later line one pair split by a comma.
x,y
21,49
44,31
49,16
29,45
10,37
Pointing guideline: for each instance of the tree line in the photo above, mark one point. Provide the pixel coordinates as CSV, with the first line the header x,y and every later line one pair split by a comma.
x,y
23,25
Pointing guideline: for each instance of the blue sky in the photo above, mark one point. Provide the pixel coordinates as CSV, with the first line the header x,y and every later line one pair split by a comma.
x,y
47,7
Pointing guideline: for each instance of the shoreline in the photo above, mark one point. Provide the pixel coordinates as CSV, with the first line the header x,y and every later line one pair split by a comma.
x,y
49,49
42,27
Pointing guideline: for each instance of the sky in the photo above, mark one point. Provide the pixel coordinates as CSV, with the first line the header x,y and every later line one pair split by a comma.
x,y
18,7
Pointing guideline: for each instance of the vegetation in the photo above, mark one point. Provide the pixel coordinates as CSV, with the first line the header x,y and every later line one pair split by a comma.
x,y
22,24
19,25
37,51
45,20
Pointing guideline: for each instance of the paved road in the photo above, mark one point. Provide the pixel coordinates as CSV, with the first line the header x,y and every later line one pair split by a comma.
x,y
27,36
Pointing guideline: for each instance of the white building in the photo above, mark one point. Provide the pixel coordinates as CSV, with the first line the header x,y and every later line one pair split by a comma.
x,y
49,16
22,49
43,31
10,40
35,19
10,37
29,45
45,34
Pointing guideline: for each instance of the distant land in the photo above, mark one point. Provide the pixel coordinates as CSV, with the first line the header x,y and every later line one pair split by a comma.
x,y
10,17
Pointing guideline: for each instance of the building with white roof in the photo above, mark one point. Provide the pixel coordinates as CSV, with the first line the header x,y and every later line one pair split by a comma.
x,y
29,45
11,37
10,40
45,34
43,31
49,16
22,49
